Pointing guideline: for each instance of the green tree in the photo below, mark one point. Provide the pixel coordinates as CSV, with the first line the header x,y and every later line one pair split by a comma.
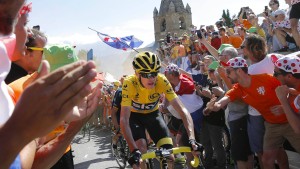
x,y
227,18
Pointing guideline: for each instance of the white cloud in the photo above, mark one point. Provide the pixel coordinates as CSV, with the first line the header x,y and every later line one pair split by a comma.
x,y
138,28
74,39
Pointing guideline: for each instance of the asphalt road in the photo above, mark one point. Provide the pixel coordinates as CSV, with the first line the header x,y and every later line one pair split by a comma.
x,y
96,154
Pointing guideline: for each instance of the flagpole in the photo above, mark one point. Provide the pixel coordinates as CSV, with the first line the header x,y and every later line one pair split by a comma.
x,y
119,41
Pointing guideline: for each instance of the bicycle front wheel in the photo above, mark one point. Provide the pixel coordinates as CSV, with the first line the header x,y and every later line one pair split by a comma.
x,y
119,152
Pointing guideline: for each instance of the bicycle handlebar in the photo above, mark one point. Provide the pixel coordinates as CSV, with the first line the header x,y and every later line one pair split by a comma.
x,y
165,153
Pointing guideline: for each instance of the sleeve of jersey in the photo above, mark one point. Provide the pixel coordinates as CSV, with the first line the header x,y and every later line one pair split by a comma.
x,y
117,99
127,89
165,86
234,93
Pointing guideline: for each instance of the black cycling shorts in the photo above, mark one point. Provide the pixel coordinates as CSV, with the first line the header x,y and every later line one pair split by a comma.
x,y
174,125
152,122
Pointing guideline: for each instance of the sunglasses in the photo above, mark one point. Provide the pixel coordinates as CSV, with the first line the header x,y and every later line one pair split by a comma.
x,y
149,75
271,4
276,74
36,48
228,71
242,46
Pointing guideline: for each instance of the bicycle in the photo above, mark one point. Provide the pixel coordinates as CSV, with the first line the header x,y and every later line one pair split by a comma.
x,y
163,155
86,128
121,152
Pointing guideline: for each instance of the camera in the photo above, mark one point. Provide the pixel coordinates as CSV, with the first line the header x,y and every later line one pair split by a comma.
x,y
199,34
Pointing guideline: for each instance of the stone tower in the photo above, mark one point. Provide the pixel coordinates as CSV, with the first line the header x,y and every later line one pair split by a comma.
x,y
172,17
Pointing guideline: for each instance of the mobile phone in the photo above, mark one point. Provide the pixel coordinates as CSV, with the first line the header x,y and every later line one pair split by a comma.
x,y
199,34
168,39
266,10
37,27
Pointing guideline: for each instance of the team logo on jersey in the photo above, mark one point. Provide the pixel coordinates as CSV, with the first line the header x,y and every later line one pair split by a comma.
x,y
134,83
139,106
166,82
125,96
136,96
261,90
154,96
169,91
124,87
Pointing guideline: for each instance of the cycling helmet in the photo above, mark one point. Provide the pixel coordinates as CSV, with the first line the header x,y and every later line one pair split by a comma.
x,y
146,62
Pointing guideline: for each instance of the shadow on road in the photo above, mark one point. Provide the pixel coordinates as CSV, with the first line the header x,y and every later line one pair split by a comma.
x,y
96,150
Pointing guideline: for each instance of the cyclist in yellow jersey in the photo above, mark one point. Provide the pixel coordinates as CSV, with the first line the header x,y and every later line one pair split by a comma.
x,y
139,108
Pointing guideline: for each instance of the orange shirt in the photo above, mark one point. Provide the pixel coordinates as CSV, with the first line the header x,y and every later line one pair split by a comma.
x,y
225,39
19,85
246,24
260,95
235,41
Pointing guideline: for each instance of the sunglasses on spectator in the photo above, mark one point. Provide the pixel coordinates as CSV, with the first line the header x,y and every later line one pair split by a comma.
x,y
35,48
242,46
276,74
272,4
149,75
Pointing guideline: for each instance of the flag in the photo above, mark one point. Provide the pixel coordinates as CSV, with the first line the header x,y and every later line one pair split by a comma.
x,y
128,42
90,54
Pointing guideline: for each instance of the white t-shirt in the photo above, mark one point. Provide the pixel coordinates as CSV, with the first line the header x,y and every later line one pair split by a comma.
x,y
6,103
264,66
192,103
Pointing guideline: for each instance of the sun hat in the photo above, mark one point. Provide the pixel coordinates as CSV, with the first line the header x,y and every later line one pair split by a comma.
x,y
237,62
279,11
214,65
252,29
59,55
223,46
172,68
289,64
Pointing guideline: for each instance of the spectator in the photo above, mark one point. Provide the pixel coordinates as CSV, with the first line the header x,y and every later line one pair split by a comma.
x,y
30,62
213,124
294,20
245,11
40,122
255,49
236,24
219,24
215,40
185,89
289,78
282,30
253,19
237,111
259,94
224,36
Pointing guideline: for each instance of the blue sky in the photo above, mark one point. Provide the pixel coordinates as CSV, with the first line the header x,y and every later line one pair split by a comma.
x,y
68,20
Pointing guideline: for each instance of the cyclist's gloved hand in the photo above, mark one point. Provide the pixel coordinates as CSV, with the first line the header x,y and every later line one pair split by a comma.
x,y
135,157
199,146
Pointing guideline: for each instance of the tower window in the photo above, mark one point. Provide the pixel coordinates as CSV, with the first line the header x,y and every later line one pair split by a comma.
x,y
182,24
163,26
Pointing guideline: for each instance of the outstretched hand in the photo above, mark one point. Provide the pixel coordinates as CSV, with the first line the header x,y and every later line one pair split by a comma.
x,y
45,103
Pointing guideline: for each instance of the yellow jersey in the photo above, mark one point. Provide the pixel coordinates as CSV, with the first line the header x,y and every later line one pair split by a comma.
x,y
144,100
